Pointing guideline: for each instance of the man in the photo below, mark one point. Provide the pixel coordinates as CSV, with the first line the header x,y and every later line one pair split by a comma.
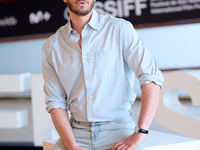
x,y
88,68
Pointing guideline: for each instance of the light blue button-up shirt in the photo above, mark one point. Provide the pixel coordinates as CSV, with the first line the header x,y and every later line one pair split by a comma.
x,y
95,82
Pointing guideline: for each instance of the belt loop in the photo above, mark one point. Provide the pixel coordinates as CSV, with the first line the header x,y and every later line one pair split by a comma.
x,y
77,122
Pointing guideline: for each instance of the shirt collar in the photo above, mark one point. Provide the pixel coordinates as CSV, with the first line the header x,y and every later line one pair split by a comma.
x,y
68,28
93,23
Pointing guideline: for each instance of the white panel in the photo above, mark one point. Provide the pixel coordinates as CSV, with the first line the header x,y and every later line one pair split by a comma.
x,y
9,83
15,82
13,118
25,81
42,124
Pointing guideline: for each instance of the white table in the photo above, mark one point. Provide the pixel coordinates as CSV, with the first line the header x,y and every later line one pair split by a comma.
x,y
155,141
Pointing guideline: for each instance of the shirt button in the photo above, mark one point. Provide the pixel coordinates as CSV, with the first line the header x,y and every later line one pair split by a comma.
x,y
84,57
87,78
90,117
89,96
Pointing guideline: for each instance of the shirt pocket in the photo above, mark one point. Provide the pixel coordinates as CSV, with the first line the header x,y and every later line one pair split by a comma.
x,y
107,63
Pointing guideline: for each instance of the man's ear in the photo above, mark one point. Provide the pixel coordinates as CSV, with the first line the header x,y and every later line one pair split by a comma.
x,y
65,1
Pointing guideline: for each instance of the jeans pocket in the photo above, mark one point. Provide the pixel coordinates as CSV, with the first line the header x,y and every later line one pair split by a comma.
x,y
126,120
106,147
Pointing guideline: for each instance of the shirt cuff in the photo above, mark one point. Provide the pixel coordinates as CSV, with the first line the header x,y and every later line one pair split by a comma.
x,y
51,105
146,78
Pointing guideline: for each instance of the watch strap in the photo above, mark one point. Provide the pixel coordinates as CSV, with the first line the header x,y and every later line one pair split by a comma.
x,y
143,131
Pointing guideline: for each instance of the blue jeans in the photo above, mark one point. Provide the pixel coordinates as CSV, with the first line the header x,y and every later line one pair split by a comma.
x,y
101,135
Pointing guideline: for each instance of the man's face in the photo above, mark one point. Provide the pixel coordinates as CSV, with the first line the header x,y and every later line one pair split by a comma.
x,y
80,7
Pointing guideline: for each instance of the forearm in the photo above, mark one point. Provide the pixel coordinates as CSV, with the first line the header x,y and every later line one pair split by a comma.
x,y
62,124
150,97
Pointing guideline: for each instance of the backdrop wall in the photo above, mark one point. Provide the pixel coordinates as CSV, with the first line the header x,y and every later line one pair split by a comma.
x,y
172,47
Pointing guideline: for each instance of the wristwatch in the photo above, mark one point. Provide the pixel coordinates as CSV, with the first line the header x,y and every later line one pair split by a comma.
x,y
140,130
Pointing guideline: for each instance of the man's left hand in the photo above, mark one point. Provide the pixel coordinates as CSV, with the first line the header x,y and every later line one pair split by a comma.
x,y
130,143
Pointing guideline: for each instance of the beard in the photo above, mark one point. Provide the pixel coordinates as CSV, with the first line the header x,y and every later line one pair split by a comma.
x,y
78,11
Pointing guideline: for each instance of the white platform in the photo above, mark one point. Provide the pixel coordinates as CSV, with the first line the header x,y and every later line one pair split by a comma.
x,y
15,82
13,118
48,144
163,141
155,141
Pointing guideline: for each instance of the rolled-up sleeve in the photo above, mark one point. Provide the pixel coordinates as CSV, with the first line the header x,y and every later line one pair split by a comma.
x,y
55,95
139,59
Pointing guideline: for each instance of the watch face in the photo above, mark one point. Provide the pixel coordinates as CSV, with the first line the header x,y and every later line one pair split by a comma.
x,y
137,129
